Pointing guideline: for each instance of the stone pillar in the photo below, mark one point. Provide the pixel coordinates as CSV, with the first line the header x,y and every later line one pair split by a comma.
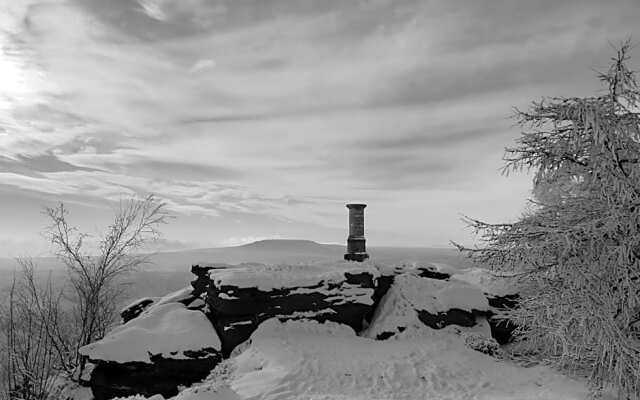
x,y
356,248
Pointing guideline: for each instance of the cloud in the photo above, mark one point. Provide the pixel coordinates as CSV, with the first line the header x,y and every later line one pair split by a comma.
x,y
239,241
235,110
202,65
163,244
153,8
33,165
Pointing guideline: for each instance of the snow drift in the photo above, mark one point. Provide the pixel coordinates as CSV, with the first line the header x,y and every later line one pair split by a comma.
x,y
302,360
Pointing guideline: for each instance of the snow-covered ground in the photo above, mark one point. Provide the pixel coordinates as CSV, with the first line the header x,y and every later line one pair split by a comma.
x,y
306,360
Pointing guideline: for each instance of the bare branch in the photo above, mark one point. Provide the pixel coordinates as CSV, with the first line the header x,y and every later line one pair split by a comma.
x,y
95,279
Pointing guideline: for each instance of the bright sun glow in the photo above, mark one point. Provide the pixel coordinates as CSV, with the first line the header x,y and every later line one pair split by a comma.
x,y
15,84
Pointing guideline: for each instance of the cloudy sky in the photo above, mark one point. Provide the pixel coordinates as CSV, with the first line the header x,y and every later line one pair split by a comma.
x,y
262,118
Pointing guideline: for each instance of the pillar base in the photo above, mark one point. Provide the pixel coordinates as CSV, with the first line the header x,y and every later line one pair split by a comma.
x,y
358,257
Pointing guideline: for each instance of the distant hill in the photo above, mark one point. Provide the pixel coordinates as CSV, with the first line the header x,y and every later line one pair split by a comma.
x,y
264,251
289,245
300,251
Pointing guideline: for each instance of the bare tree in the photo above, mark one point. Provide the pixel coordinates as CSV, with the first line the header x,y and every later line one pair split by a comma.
x,y
96,280
44,325
29,359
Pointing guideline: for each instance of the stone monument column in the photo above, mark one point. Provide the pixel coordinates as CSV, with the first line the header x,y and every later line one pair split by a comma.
x,y
356,248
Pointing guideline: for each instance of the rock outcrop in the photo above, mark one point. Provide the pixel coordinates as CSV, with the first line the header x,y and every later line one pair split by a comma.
x,y
170,343
178,339
413,300
388,274
241,297
501,292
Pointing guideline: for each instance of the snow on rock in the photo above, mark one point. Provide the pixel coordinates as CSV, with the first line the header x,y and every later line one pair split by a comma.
x,y
240,298
169,330
388,272
488,281
425,270
413,301
269,277
441,296
196,304
501,292
184,295
303,360
166,346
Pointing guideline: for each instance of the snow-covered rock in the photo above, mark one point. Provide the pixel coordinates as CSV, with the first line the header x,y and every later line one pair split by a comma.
x,y
303,336
413,301
170,331
167,345
425,270
487,280
388,273
241,297
502,293
186,296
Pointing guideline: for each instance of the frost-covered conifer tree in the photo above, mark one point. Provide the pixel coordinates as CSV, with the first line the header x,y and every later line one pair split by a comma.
x,y
576,251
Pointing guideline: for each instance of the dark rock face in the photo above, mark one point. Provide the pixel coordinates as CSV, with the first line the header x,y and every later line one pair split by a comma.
x,y
202,281
384,335
503,302
235,320
429,272
502,330
383,283
237,311
135,309
110,379
450,317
